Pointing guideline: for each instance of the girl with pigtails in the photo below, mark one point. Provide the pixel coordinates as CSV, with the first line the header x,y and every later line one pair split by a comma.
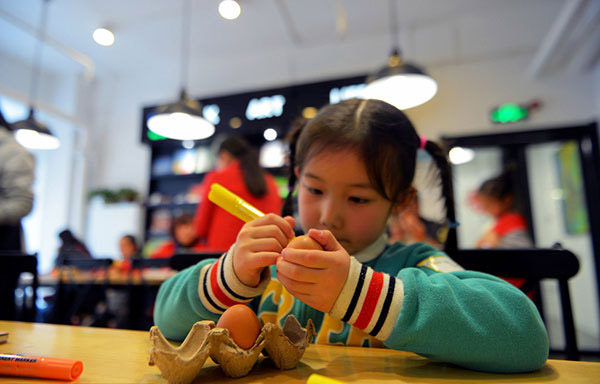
x,y
353,166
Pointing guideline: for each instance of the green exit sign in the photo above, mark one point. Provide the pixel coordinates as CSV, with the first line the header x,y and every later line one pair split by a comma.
x,y
509,113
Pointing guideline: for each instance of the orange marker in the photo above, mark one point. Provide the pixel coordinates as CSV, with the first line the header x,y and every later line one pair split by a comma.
x,y
44,367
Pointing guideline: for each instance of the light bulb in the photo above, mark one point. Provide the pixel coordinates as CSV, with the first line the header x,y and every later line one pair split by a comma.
x,y
104,37
270,134
229,9
35,140
460,155
181,126
402,91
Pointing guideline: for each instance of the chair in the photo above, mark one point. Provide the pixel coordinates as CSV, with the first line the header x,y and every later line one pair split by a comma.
x,y
77,294
182,261
533,265
162,262
86,264
142,292
12,265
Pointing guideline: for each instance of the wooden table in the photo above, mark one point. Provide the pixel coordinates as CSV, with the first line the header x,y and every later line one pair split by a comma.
x,y
118,356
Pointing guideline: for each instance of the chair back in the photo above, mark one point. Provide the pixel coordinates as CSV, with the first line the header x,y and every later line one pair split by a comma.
x,y
527,263
532,265
150,263
12,264
86,264
17,262
181,261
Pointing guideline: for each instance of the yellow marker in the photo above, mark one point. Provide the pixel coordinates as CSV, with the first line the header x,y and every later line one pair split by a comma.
x,y
318,379
232,203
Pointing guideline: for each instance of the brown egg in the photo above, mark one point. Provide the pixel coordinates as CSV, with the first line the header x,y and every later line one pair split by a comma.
x,y
242,323
304,242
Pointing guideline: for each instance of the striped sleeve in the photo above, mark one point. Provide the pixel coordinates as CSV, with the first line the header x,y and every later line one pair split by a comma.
x,y
370,300
219,288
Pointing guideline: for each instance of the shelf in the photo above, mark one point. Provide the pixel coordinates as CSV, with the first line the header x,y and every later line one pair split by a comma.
x,y
172,206
191,176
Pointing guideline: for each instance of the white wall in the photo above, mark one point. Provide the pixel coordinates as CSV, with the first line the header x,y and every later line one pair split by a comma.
x,y
468,91
55,200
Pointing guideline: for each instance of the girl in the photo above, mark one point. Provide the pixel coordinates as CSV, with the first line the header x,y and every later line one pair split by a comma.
x,y
354,163
183,238
495,198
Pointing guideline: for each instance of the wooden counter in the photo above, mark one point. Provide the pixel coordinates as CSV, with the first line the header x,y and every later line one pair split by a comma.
x,y
119,356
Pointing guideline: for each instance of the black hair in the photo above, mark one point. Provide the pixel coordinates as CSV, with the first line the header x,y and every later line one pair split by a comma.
x,y
497,187
254,177
183,219
4,123
132,239
381,135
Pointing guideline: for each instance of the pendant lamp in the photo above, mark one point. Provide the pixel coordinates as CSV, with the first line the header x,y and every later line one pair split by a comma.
x,y
29,132
403,85
182,120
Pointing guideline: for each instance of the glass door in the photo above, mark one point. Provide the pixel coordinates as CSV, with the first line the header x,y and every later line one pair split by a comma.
x,y
555,180
560,215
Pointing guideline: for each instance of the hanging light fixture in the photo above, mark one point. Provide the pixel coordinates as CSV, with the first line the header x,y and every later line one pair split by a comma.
x,y
404,85
29,132
182,120
229,9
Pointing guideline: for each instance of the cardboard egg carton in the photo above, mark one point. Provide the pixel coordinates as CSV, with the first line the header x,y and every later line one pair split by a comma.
x,y
180,365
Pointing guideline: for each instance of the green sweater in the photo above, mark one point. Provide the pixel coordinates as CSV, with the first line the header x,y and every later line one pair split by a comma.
x,y
411,298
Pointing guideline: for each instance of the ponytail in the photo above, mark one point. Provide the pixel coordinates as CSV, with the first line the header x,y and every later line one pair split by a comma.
x,y
441,162
253,174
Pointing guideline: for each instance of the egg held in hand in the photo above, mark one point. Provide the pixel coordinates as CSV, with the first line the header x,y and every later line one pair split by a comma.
x,y
242,323
304,242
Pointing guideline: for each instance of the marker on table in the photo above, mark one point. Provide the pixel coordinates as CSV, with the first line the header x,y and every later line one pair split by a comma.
x,y
43,367
232,203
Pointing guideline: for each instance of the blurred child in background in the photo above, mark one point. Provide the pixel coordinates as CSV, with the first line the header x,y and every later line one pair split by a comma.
x,y
495,197
183,238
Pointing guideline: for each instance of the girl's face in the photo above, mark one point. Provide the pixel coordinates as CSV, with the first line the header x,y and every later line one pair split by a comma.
x,y
335,194
494,206
127,248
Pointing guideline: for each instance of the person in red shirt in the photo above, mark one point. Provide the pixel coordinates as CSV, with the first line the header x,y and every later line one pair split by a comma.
x,y
239,171
183,238
495,198
129,251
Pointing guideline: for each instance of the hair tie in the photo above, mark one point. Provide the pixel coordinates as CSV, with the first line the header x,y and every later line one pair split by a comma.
x,y
423,142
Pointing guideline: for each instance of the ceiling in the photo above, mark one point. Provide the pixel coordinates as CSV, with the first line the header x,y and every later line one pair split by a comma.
x,y
148,33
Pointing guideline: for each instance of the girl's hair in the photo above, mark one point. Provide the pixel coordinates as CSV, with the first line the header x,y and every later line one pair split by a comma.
x,y
131,239
183,219
380,134
497,187
247,156
4,123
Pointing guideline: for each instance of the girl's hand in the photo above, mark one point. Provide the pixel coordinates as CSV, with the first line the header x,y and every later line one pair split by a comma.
x,y
489,240
259,244
315,277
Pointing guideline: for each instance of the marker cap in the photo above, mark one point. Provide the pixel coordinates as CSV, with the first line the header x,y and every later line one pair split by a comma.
x,y
232,203
63,369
